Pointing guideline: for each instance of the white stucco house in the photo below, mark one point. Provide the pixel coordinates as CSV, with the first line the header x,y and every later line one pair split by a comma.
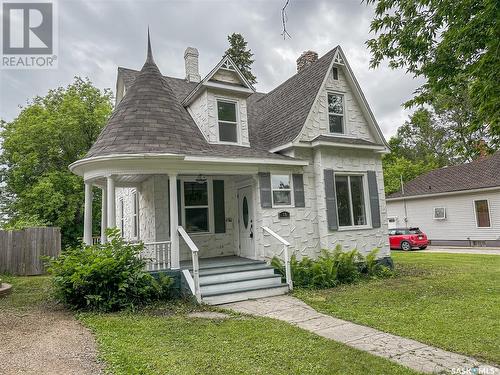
x,y
457,206
210,171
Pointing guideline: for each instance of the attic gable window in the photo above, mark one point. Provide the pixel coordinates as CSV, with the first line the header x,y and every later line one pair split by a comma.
x,y
228,124
335,73
336,113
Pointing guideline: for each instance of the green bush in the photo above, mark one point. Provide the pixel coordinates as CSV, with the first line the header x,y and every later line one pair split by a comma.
x,y
332,268
106,277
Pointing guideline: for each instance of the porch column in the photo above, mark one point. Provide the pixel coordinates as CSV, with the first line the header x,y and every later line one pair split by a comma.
x,y
110,186
104,214
174,221
87,215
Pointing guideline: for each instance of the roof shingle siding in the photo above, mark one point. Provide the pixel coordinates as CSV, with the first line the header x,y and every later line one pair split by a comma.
x,y
151,119
479,174
274,119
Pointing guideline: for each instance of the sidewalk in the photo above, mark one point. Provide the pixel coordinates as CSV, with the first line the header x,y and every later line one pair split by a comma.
x,y
407,352
462,250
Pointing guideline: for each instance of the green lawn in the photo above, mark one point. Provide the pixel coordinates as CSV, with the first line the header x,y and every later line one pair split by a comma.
x,y
450,301
148,344
28,292
163,340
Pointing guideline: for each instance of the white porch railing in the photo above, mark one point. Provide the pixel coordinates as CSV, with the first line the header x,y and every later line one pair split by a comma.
x,y
194,281
157,255
288,271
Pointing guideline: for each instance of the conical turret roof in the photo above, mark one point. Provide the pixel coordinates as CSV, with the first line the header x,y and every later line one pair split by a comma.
x,y
149,119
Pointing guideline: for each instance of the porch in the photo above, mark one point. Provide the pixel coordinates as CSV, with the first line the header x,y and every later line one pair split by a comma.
x,y
202,225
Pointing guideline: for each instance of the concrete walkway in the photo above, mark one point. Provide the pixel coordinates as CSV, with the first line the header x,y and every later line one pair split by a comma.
x,y
410,353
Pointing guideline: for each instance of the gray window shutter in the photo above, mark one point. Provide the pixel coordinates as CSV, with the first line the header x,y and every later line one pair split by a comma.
x,y
219,209
298,190
331,204
374,203
179,208
265,190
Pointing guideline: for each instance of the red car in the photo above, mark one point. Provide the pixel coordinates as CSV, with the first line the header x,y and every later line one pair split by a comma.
x,y
407,238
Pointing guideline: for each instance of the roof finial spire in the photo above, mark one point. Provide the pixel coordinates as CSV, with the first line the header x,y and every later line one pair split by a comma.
x,y
150,53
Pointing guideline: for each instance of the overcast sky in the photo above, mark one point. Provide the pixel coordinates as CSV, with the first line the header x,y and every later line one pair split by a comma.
x,y
95,37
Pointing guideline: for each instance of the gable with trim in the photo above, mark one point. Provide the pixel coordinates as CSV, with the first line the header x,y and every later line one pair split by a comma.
x,y
224,87
340,109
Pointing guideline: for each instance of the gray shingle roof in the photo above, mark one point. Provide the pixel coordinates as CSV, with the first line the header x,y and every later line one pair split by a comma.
x,y
275,118
479,174
151,119
280,115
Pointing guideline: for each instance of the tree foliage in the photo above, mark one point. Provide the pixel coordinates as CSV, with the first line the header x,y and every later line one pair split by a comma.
x,y
49,134
453,44
241,56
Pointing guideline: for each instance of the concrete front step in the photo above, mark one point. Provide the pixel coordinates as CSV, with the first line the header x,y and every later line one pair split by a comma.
x,y
245,294
235,275
204,271
251,283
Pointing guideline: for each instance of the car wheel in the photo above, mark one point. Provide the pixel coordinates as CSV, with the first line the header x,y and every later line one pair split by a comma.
x,y
422,247
405,245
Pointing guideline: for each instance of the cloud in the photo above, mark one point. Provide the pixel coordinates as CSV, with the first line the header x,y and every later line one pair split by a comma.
x,y
95,37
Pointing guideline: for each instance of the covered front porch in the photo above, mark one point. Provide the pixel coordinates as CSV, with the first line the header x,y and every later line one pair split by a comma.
x,y
191,215
215,212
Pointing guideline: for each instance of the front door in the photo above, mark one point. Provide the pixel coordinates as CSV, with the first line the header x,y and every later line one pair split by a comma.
x,y
245,222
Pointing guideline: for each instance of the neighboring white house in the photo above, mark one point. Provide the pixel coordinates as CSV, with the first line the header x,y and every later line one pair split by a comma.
x,y
457,205
243,173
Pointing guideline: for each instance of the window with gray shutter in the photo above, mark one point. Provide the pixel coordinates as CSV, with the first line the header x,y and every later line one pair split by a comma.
x,y
298,190
265,190
374,203
219,209
331,205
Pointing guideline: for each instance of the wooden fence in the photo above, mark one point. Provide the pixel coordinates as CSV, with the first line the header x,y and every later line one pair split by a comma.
x,y
21,250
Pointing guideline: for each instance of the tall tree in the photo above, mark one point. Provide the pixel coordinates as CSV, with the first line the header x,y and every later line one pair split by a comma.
x,y
454,44
241,56
49,134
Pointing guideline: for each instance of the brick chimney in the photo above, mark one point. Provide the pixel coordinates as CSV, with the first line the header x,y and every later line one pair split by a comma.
x,y
191,62
306,59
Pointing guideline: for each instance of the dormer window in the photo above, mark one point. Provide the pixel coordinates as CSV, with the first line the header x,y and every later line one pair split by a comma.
x,y
227,119
336,113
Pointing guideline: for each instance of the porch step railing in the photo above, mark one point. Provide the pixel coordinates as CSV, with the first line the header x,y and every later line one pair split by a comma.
x,y
286,244
157,255
194,280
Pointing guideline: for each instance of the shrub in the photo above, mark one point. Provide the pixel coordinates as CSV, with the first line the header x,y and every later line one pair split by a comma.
x,y
106,277
332,268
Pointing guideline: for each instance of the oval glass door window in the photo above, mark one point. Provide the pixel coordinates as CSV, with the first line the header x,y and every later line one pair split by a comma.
x,y
245,212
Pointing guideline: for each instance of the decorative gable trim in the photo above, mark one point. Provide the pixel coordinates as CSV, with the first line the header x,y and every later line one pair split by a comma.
x,y
339,58
226,64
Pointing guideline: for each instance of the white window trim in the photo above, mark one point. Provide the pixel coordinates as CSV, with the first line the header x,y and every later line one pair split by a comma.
x,y
135,204
475,212
121,206
439,218
344,117
292,200
238,121
211,224
366,197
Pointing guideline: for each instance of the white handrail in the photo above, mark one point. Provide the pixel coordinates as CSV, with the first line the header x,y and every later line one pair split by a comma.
x,y
196,266
288,271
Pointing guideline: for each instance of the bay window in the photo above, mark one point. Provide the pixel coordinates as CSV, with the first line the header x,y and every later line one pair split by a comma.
x,y
350,196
